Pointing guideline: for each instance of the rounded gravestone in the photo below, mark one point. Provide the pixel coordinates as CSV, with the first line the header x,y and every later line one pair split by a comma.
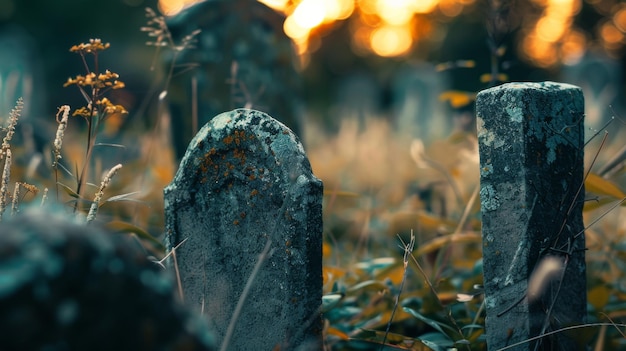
x,y
244,213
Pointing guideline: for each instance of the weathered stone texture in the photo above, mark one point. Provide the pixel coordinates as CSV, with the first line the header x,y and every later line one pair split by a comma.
x,y
245,182
531,167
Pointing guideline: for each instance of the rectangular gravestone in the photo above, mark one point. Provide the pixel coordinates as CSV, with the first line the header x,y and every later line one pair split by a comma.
x,y
244,182
531,139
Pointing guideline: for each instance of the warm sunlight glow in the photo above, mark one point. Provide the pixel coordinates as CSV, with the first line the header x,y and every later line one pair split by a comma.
x,y
395,12
547,41
610,34
383,27
391,41
619,19
309,13
339,9
573,47
172,7
295,30
450,8
393,27
550,29
425,6
276,4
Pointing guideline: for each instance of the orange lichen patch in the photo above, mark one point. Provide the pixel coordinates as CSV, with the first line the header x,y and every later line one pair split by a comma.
x,y
236,222
207,164
240,155
237,137
254,192
228,139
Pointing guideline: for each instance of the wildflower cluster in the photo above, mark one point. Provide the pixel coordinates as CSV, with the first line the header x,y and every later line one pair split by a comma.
x,y
93,86
92,47
101,81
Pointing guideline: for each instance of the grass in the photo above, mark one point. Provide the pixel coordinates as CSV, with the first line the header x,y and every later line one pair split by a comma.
x,y
440,296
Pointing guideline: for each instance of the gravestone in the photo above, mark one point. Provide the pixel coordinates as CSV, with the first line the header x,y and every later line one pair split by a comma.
x,y
244,213
531,139
242,59
418,111
20,73
69,286
357,98
600,78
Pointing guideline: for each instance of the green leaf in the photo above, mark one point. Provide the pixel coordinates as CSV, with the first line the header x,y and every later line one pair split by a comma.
x,y
472,326
598,297
67,171
110,145
436,325
123,197
331,300
598,185
68,190
436,342
368,285
377,263
125,227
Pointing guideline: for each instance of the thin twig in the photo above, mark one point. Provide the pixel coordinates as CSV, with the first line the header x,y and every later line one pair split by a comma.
x,y
572,327
173,254
408,249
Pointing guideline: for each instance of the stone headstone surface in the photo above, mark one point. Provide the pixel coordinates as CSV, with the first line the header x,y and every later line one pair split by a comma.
x,y
68,286
244,182
531,170
242,59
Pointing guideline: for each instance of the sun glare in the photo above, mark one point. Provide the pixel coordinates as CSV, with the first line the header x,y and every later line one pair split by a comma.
x,y
545,42
391,28
391,41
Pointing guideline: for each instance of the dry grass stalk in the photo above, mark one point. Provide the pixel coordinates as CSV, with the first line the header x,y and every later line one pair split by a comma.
x,y
93,210
64,111
10,129
4,185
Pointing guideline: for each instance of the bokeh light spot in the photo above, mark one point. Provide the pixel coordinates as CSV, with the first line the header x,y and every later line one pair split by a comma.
x,y
395,12
171,7
610,34
309,13
619,19
391,41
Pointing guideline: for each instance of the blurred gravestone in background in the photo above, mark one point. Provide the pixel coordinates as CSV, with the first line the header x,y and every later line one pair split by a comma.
x,y
19,76
599,77
358,97
242,59
418,111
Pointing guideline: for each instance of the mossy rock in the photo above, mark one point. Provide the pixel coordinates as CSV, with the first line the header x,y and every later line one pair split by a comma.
x,y
69,286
